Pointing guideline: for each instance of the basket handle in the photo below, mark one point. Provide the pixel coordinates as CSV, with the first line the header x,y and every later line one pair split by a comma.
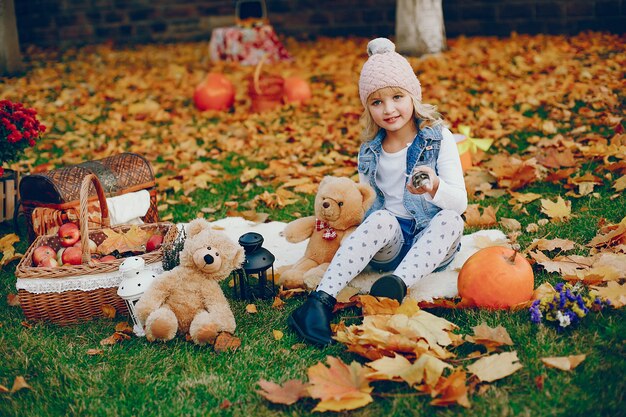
x,y
84,213
257,74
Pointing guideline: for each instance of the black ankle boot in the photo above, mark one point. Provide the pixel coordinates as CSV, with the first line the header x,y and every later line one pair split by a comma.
x,y
390,286
312,319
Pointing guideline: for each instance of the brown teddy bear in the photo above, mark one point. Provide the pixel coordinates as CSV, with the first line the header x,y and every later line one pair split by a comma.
x,y
188,298
340,206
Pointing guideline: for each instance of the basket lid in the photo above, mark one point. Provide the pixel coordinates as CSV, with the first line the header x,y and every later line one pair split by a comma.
x,y
117,174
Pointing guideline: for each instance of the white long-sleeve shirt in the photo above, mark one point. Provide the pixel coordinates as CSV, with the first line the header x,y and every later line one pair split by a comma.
x,y
451,194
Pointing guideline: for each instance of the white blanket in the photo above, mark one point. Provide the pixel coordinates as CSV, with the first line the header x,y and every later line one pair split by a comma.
x,y
436,285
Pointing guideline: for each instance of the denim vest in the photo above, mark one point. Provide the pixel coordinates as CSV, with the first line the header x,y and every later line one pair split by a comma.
x,y
423,151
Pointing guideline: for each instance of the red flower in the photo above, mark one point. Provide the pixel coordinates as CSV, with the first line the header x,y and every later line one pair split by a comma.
x,y
19,128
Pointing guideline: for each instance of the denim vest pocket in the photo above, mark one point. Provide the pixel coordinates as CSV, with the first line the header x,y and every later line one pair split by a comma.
x,y
429,154
365,164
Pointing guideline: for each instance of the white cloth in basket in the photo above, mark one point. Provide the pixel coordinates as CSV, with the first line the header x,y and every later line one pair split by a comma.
x,y
128,208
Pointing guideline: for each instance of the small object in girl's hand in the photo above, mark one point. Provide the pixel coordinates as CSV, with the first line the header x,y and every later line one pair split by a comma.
x,y
420,179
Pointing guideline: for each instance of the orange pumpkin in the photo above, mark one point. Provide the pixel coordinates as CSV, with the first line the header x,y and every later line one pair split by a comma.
x,y
297,90
496,277
216,92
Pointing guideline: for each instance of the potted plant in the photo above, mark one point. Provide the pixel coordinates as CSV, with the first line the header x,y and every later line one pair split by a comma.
x,y
19,128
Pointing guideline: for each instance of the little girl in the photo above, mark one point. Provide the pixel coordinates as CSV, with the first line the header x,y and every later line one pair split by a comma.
x,y
411,160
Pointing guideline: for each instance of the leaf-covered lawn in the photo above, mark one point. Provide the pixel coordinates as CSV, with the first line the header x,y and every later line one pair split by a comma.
x,y
553,180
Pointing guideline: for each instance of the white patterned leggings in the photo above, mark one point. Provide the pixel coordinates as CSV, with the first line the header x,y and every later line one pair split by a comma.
x,y
380,239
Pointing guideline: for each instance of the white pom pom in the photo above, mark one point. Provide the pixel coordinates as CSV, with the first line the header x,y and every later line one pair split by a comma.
x,y
380,46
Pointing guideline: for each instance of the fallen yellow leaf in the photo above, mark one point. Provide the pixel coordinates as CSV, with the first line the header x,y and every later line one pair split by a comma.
x,y
496,366
559,211
564,363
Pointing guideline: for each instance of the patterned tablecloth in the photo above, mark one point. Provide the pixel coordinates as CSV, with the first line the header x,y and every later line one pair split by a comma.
x,y
247,45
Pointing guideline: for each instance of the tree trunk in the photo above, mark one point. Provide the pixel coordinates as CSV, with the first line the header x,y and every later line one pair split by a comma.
x,y
10,58
419,27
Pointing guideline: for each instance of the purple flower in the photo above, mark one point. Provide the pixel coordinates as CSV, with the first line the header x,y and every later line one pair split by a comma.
x,y
535,312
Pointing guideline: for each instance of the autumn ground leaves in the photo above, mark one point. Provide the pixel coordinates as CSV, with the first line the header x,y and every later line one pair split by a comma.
x,y
407,345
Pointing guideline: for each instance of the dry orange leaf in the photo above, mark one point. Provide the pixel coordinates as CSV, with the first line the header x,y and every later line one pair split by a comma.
x,y
19,383
552,244
7,249
124,327
474,217
614,292
595,275
566,265
523,198
510,224
94,352
560,210
564,363
452,390
496,366
251,309
620,184
372,305
278,303
288,393
114,338
133,240
108,311
226,342
339,386
13,300
611,236
277,334
490,337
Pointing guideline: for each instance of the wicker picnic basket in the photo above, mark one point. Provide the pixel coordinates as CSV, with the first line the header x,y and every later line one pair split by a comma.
x,y
49,199
74,293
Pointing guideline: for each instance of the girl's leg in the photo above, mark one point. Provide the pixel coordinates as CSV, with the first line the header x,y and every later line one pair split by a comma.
x,y
379,237
437,244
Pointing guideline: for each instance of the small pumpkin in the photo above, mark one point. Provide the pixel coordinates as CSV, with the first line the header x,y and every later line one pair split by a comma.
x,y
496,277
297,90
216,92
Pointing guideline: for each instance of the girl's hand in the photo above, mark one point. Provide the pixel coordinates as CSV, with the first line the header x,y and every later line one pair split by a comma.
x,y
426,180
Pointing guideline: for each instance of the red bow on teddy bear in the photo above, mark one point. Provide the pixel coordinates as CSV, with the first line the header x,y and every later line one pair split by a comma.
x,y
329,232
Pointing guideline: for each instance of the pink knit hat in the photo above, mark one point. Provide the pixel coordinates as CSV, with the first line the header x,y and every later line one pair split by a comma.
x,y
386,68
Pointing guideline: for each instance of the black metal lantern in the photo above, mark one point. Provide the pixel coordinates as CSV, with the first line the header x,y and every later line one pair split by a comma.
x,y
252,280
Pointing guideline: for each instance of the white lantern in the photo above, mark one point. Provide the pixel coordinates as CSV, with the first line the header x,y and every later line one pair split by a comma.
x,y
135,280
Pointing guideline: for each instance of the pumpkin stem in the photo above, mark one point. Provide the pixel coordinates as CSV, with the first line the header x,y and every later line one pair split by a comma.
x,y
512,258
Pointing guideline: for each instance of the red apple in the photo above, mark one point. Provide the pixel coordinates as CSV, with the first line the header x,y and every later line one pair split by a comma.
x,y
72,256
154,243
108,258
49,261
69,233
42,252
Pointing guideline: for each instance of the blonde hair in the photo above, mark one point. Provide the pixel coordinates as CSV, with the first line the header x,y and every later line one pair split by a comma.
x,y
426,114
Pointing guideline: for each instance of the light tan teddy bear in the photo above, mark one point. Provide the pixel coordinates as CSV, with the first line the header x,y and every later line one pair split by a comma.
x,y
188,298
340,206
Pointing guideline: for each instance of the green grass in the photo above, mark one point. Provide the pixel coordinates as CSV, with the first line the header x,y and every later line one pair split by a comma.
x,y
178,378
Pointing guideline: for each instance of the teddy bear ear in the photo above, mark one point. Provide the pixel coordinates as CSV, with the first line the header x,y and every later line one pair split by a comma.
x,y
325,180
368,194
196,226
